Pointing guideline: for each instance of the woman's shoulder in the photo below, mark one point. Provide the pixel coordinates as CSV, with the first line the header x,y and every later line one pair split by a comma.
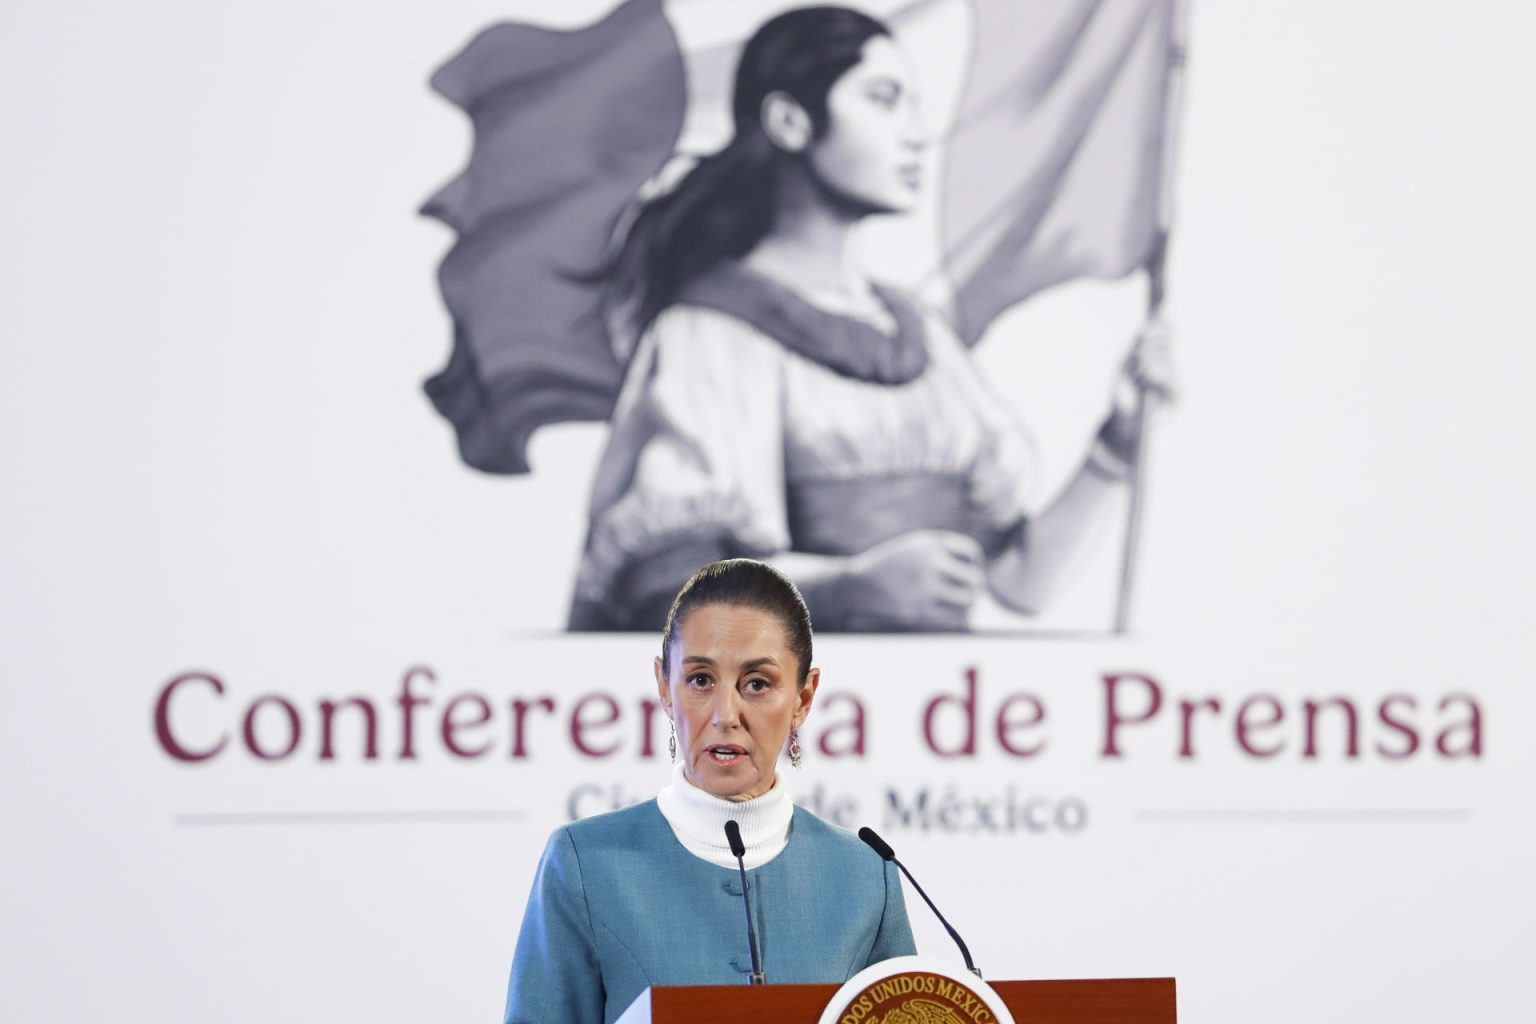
x,y
829,840
697,336
744,303
623,827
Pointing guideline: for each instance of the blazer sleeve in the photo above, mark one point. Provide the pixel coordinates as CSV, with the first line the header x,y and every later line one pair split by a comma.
x,y
894,937
695,459
556,976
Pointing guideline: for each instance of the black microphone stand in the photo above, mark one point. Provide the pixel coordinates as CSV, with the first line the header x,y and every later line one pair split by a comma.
x,y
880,846
739,851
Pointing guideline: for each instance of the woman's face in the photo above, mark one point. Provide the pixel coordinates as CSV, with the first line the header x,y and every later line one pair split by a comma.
x,y
872,151
732,697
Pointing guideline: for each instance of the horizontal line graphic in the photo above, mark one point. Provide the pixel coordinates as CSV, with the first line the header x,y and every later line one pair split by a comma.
x,y
1304,815
349,817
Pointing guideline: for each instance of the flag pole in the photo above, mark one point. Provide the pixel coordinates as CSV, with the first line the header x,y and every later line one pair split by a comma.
x,y
1155,265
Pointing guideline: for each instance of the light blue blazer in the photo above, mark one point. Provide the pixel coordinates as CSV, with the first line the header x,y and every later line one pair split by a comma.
x,y
618,905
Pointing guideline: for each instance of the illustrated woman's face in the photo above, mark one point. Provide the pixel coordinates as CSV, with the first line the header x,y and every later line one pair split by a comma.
x,y
872,150
732,697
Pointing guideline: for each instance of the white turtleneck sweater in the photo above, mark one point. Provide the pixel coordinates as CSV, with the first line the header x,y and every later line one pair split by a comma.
x,y
698,821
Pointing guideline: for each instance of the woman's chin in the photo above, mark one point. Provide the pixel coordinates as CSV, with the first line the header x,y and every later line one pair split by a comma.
x,y
888,205
732,781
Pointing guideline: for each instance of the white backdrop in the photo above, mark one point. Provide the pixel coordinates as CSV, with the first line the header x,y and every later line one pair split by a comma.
x,y
216,457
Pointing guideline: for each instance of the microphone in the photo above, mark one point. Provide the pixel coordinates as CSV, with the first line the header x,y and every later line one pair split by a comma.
x,y
739,850
883,848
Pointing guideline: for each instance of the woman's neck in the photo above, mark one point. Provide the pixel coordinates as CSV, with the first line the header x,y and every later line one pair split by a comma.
x,y
811,245
698,818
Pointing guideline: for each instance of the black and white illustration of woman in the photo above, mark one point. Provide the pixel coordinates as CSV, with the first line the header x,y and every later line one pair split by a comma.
x,y
766,395
779,403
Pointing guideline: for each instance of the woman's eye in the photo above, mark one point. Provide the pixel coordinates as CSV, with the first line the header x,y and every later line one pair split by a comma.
x,y
886,96
698,681
757,685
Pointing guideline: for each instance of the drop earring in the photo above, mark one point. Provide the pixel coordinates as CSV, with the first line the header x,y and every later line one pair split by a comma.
x,y
795,755
672,740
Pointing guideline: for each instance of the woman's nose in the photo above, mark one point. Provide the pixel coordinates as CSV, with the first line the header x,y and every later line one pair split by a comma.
x,y
726,709
915,133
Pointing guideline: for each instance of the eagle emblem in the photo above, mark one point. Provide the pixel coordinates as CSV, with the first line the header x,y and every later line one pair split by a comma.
x,y
922,1011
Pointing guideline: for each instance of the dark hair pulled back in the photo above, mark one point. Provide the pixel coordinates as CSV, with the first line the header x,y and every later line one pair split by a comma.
x,y
724,206
743,583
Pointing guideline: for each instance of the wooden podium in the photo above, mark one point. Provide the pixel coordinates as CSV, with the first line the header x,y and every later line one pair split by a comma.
x,y
1108,1001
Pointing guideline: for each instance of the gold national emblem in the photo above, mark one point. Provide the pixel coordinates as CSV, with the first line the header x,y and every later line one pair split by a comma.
x,y
917,997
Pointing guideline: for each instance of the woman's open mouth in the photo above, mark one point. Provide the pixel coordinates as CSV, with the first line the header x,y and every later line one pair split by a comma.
x,y
727,754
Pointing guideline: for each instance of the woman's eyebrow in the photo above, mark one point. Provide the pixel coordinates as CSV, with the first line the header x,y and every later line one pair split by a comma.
x,y
759,663
699,659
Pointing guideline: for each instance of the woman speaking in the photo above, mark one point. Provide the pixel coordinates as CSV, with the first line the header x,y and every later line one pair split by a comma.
x,y
650,895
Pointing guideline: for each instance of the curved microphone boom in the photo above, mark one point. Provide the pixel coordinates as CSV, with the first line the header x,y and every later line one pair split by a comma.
x,y
739,850
880,846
